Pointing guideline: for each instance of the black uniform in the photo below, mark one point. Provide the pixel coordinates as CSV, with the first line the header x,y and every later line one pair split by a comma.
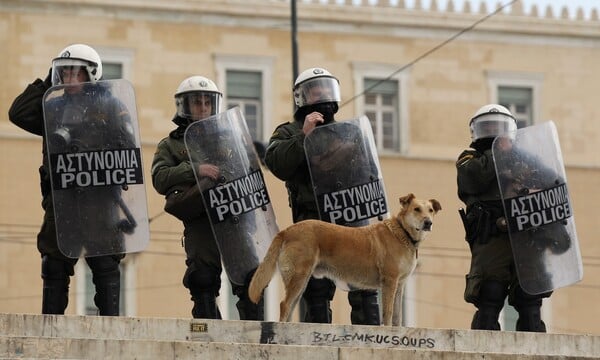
x,y
285,157
26,112
492,275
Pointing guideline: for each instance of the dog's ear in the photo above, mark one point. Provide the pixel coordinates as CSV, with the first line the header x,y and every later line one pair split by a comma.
x,y
436,205
405,200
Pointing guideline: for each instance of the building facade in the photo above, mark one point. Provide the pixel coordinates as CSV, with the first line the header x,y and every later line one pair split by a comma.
x,y
418,74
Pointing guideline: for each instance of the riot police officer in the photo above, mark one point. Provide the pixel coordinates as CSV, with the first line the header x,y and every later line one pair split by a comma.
x,y
492,275
196,98
316,95
78,67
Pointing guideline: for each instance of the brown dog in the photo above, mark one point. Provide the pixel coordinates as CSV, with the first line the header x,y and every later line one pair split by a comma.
x,y
377,256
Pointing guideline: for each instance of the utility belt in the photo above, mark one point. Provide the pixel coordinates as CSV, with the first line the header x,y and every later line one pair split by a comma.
x,y
483,220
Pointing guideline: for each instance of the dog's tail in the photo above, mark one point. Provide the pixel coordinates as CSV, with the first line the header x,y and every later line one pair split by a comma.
x,y
265,270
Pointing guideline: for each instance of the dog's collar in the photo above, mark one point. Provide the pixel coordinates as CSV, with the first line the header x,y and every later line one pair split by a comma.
x,y
412,240
390,225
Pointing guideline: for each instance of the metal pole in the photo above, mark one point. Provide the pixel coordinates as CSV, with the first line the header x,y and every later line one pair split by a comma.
x,y
294,21
294,30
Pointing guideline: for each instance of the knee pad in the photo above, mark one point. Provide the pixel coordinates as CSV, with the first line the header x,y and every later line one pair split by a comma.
x,y
56,269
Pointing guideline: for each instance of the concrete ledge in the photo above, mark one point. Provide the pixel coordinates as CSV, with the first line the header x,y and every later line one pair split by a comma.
x,y
313,335
65,348
61,348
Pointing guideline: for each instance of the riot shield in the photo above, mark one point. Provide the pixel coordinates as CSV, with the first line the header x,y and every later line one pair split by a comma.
x,y
93,147
345,173
237,201
538,209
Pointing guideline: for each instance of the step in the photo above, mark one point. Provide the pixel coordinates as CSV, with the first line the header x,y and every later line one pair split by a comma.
x,y
63,348
303,334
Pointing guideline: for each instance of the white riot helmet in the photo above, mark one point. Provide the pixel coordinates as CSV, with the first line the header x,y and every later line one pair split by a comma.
x,y
314,86
75,57
194,90
492,120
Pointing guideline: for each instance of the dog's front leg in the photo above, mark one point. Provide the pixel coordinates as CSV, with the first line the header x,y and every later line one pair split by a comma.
x,y
388,292
397,317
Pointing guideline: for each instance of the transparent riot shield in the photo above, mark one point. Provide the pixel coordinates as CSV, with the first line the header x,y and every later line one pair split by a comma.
x,y
345,173
95,164
538,209
237,201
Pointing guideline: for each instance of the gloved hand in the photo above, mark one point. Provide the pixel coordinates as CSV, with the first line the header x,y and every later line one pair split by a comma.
x,y
126,227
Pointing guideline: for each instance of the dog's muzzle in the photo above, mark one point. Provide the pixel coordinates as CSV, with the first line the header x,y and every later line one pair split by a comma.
x,y
427,224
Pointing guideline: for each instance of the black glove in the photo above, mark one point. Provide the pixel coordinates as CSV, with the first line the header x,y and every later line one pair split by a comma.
x,y
126,227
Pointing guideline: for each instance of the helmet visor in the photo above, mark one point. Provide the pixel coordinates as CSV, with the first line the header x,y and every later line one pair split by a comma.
x,y
493,125
317,90
197,105
69,71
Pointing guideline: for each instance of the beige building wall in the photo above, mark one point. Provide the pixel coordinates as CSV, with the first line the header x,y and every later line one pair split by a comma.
x,y
162,42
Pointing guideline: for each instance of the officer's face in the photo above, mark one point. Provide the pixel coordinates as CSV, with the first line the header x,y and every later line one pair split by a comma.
x,y
491,127
200,106
318,94
504,144
74,75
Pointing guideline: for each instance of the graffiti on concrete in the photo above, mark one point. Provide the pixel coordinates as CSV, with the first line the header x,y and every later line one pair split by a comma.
x,y
381,339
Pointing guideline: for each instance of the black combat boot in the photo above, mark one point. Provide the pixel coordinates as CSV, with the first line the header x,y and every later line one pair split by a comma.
x,y
204,283
205,306
55,295
530,319
317,296
106,276
490,303
246,308
486,318
365,308
249,310
318,311
107,297
529,309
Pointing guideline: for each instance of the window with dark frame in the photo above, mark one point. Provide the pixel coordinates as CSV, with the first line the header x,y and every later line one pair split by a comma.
x,y
244,89
382,109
